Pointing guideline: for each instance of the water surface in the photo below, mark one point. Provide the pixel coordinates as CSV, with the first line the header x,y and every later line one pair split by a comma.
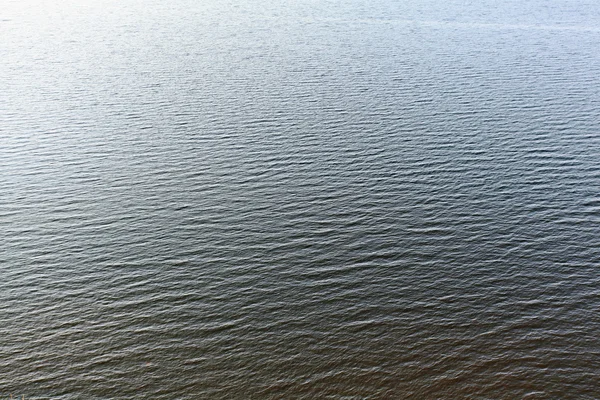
x,y
270,199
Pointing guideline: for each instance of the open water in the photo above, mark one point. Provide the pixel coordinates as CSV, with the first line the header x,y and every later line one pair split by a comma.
x,y
276,199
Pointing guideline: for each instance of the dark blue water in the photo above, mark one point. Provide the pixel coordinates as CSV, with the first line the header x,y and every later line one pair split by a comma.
x,y
267,200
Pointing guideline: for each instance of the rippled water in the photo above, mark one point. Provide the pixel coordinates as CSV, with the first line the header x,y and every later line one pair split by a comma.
x,y
269,199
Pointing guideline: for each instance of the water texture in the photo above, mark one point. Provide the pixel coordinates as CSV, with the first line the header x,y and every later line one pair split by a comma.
x,y
315,200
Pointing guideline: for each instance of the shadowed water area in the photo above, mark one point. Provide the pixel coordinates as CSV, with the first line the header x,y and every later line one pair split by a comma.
x,y
311,199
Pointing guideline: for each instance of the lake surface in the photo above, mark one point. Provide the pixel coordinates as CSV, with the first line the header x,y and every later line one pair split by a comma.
x,y
311,199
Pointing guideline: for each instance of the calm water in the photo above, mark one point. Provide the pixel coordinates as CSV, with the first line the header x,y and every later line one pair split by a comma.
x,y
312,199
